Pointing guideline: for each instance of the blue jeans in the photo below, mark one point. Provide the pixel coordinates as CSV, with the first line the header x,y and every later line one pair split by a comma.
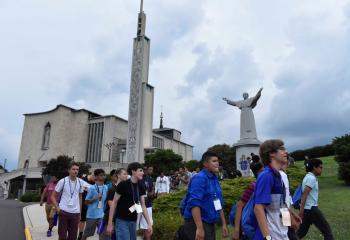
x,y
126,230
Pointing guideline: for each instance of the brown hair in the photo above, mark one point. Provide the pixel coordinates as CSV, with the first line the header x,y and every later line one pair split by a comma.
x,y
267,147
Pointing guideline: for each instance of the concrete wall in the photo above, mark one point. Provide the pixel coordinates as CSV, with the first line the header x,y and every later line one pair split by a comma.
x,y
68,136
183,149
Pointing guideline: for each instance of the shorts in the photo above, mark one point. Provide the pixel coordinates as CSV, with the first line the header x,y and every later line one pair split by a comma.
x,y
50,211
143,223
83,212
91,226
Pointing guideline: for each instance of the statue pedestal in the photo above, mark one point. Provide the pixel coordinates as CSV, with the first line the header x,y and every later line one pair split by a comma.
x,y
244,148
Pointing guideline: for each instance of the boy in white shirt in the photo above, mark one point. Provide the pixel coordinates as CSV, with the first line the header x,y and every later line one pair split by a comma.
x,y
162,185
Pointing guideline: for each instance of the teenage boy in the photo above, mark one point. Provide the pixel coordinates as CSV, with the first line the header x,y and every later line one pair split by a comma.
x,y
95,200
148,184
129,200
204,206
309,211
69,206
256,168
49,207
270,208
114,179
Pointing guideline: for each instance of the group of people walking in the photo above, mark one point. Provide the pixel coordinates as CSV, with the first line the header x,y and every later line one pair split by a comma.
x,y
117,209
269,200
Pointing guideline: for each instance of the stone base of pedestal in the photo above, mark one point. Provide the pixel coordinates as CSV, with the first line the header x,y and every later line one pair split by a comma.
x,y
243,151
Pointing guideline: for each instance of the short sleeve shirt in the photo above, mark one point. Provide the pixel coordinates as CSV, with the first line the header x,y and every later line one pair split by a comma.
x,y
93,212
70,194
49,189
130,193
310,180
248,192
269,190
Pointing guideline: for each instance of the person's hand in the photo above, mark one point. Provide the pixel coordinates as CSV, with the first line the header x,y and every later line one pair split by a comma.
x,y
235,235
150,229
58,210
109,229
295,221
224,231
199,234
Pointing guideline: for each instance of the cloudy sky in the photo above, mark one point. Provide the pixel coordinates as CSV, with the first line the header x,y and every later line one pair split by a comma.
x,y
79,52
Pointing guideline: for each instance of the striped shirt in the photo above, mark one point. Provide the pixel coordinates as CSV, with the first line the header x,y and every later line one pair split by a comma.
x,y
248,192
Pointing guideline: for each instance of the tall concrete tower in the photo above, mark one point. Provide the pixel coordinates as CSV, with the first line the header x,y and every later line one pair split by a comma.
x,y
141,96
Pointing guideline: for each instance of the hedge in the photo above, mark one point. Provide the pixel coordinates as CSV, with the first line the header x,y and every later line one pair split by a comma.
x,y
30,197
166,214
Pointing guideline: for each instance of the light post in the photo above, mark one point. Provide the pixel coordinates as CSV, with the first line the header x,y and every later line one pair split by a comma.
x,y
109,147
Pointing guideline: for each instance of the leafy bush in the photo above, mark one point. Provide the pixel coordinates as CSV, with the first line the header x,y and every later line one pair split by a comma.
x,y
342,156
165,160
30,197
166,214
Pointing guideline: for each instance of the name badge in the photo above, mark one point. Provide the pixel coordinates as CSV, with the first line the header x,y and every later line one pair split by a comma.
x,y
286,220
70,202
132,208
217,204
99,205
138,208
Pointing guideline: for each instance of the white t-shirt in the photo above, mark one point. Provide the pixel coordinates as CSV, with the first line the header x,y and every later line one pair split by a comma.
x,y
286,186
162,185
70,195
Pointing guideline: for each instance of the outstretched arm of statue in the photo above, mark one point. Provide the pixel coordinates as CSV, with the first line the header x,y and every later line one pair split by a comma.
x,y
256,98
229,101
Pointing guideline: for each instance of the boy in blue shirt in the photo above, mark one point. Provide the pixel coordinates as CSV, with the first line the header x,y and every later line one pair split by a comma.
x,y
205,202
309,211
95,199
270,201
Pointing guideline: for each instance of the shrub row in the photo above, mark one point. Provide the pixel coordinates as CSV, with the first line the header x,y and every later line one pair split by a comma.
x,y
30,197
342,156
318,151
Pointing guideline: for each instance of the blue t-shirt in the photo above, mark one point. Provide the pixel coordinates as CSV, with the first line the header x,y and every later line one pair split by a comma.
x,y
204,188
93,212
310,180
270,191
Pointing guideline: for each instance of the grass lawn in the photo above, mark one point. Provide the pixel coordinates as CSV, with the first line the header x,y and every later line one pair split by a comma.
x,y
334,202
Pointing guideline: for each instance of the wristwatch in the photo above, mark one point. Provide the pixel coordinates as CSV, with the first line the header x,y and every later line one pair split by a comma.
x,y
268,237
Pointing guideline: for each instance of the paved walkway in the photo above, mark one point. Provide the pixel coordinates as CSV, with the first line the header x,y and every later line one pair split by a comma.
x,y
11,220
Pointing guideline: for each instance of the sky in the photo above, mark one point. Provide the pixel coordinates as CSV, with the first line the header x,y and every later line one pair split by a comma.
x,y
78,53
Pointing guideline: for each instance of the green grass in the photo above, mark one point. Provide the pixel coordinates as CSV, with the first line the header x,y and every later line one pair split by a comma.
x,y
333,201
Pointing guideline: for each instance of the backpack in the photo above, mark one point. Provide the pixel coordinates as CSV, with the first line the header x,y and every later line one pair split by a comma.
x,y
248,220
232,214
297,197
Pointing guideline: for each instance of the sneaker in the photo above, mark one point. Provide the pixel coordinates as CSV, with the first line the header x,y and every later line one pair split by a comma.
x,y
49,233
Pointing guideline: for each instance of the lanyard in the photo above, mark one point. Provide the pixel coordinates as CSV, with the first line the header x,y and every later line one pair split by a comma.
x,y
70,188
137,190
98,189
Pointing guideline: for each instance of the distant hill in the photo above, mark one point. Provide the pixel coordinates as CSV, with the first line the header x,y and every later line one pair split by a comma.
x,y
317,151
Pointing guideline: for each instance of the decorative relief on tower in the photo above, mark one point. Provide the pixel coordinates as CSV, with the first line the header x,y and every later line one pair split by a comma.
x,y
135,94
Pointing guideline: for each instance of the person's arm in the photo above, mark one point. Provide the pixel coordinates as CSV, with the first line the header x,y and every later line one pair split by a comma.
x,y
44,193
111,213
224,224
145,214
239,209
197,217
185,178
230,102
81,202
54,202
306,192
259,211
91,197
157,185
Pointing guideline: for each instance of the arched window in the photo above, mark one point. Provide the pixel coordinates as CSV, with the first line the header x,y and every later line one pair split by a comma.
x,y
46,137
26,164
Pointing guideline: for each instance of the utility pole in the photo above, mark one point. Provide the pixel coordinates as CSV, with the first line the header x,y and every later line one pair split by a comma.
x,y
109,147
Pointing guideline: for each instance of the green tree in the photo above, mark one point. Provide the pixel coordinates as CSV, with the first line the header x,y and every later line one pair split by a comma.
x,y
227,157
163,161
59,167
192,165
342,156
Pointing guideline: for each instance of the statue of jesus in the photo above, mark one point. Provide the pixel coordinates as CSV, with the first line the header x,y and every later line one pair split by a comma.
x,y
248,130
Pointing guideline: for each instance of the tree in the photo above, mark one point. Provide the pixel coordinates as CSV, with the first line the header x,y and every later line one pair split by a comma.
x,y
227,157
342,156
163,161
59,167
192,165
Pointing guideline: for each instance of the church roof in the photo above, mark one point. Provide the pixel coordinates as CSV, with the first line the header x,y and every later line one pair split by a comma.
x,y
93,114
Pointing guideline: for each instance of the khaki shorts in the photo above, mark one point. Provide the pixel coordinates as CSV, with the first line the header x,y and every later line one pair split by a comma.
x,y
50,211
